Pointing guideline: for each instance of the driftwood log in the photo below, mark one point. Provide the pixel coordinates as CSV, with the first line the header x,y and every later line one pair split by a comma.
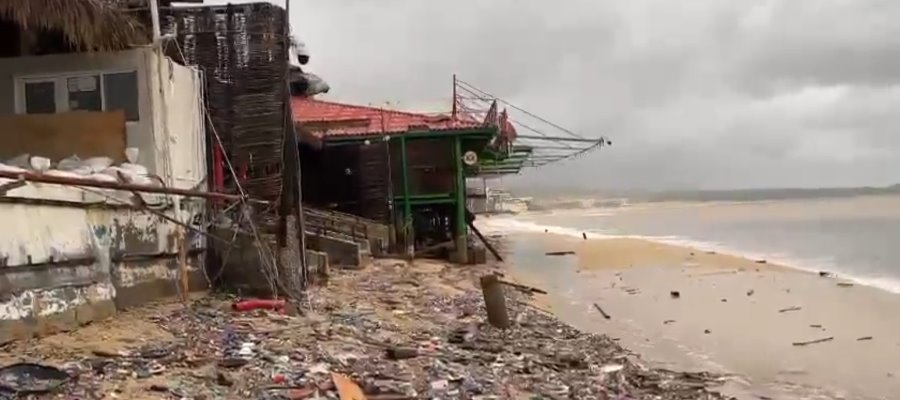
x,y
495,301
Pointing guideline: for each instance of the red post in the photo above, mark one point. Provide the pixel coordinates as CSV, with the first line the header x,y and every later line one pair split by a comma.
x,y
218,170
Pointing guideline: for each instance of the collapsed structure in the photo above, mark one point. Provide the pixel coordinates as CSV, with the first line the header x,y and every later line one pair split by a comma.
x,y
134,159
409,171
151,151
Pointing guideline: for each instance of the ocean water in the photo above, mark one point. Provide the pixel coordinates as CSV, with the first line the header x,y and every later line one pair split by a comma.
x,y
857,238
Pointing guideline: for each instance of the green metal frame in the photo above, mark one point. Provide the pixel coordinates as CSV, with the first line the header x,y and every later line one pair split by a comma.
x,y
464,140
510,164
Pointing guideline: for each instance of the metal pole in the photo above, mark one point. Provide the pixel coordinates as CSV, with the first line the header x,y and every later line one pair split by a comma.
x,y
453,114
59,180
154,18
462,243
407,206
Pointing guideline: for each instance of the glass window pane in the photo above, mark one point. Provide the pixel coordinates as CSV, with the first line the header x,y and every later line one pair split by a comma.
x,y
84,93
40,97
122,94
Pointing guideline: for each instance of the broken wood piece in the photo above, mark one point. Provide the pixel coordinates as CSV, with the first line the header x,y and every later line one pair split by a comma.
x,y
828,339
435,247
559,253
495,301
484,241
603,313
347,390
523,287
183,276
389,396
864,338
815,326
784,310
844,284
401,353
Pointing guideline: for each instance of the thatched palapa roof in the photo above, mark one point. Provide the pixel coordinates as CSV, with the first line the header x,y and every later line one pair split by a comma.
x,y
86,24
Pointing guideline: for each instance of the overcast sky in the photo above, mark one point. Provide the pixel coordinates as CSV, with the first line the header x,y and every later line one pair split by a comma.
x,y
694,94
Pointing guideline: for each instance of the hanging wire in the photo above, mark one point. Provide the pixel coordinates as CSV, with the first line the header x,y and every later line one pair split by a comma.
x,y
537,155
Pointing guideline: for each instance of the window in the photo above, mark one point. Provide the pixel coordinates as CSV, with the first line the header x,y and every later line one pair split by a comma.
x,y
120,93
81,92
40,97
84,93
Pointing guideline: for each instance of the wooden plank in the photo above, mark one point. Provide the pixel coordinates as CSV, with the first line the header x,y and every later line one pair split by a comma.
x,y
347,390
57,136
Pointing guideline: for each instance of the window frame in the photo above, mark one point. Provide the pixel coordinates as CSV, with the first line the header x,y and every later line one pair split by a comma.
x,y
22,102
60,81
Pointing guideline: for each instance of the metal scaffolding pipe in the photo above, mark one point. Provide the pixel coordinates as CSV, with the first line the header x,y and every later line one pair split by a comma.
x,y
66,181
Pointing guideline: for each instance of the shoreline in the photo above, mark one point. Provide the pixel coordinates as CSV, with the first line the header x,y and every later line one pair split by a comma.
x,y
732,314
514,227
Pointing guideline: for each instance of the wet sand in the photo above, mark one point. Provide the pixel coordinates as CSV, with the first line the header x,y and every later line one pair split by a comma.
x,y
731,315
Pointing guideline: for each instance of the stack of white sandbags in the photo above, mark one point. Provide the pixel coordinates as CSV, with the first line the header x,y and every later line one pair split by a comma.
x,y
94,168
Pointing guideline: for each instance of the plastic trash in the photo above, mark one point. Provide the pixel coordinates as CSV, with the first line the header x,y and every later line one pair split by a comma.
x,y
21,161
40,164
97,164
258,304
27,378
131,154
134,169
69,163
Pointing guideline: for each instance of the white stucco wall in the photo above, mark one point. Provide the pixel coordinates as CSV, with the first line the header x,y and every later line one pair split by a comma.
x,y
171,139
180,124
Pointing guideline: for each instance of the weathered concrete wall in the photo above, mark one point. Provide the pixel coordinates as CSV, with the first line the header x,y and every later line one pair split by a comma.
x,y
69,256
67,264
341,252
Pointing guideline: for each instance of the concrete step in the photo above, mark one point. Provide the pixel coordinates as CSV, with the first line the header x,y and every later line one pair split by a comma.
x,y
341,251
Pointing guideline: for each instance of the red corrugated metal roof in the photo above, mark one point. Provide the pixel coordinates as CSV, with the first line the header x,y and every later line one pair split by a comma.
x,y
327,118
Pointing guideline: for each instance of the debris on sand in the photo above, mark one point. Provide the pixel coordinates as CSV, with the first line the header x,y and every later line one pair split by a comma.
x,y
560,253
603,313
370,335
828,339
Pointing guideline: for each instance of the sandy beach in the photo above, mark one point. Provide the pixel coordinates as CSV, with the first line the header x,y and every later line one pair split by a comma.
x,y
728,314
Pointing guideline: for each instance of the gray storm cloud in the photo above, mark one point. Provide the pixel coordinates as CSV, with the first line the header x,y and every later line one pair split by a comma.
x,y
699,94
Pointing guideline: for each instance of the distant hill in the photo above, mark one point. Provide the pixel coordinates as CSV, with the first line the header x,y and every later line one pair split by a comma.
x,y
573,198
762,194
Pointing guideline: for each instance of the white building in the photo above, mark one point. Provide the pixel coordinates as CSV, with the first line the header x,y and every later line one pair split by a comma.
x,y
71,255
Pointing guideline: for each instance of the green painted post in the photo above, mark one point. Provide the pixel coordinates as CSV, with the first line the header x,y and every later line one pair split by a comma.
x,y
462,243
407,204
